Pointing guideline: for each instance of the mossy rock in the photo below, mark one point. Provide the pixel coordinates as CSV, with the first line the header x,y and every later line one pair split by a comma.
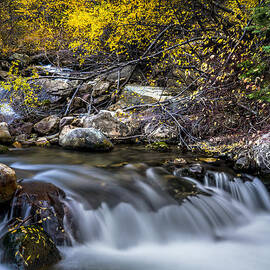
x,y
158,146
3,149
29,248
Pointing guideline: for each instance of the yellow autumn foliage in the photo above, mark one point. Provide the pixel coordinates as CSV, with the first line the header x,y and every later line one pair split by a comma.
x,y
94,26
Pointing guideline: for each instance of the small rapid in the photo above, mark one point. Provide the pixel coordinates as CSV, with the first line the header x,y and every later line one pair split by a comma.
x,y
6,111
126,218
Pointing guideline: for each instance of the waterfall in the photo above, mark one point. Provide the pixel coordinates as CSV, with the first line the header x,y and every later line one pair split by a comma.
x,y
125,219
250,193
6,111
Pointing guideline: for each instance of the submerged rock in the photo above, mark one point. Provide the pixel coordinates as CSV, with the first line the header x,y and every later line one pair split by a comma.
x,y
5,136
8,183
29,248
88,139
180,188
196,171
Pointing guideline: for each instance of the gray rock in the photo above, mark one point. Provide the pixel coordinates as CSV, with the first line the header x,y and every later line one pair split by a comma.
x,y
107,123
261,152
124,74
8,183
5,136
160,132
87,87
100,88
58,87
47,125
87,139
101,100
195,171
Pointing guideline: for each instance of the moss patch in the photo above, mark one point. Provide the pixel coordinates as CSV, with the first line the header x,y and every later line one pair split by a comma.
x,y
3,149
158,146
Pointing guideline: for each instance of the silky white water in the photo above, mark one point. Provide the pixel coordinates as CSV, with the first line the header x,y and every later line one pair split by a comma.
x,y
6,111
127,220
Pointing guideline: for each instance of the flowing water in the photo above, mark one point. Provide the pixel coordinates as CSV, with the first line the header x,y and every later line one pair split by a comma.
x,y
6,111
127,219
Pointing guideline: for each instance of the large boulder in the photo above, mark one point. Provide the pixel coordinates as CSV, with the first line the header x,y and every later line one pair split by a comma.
x,y
5,136
8,183
29,248
87,139
47,125
58,87
137,94
107,123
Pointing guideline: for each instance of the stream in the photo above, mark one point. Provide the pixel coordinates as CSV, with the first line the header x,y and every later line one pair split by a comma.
x,y
128,220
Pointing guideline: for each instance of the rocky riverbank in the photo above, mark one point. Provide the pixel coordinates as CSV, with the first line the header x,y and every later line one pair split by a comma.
x,y
95,113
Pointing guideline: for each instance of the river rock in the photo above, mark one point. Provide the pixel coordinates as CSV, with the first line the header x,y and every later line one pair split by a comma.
x,y
42,142
87,139
29,248
124,73
42,203
26,128
100,87
47,125
58,87
107,123
5,136
156,132
8,183
180,188
261,153
196,171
